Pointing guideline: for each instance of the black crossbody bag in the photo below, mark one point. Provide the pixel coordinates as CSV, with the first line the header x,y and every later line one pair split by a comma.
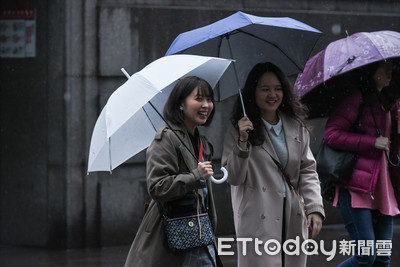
x,y
335,166
189,231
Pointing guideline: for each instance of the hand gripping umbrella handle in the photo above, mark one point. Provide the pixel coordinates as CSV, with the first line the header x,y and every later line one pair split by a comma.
x,y
223,179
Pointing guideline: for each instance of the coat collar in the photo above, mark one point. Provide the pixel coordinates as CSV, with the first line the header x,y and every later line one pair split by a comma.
x,y
276,128
183,134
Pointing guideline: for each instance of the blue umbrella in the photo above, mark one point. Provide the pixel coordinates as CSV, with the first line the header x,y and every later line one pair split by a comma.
x,y
248,40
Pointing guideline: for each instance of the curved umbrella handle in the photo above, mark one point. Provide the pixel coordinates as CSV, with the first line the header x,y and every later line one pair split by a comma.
x,y
223,179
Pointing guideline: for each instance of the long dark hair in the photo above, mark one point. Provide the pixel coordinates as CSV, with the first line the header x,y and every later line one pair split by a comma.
x,y
290,105
367,85
391,93
181,91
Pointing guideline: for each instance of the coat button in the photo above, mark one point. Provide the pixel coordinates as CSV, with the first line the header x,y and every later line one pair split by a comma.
x,y
262,216
264,189
298,214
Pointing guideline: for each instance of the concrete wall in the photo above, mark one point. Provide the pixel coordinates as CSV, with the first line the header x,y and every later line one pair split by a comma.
x,y
24,136
50,103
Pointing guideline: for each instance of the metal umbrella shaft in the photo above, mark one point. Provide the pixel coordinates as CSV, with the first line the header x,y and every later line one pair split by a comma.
x,y
227,36
236,75
216,181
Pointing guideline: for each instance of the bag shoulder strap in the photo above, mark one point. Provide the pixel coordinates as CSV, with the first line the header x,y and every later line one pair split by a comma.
x,y
355,123
160,209
360,112
285,175
378,131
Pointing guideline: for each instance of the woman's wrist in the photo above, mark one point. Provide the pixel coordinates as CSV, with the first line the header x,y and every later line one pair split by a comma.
x,y
243,144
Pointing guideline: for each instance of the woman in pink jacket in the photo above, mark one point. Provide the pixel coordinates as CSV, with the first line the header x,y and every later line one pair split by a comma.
x,y
367,203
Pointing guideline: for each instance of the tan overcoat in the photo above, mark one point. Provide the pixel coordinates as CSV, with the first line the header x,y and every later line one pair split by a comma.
x,y
257,199
171,173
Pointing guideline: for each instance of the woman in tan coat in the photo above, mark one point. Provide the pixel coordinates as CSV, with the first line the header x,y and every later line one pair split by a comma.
x,y
175,179
266,206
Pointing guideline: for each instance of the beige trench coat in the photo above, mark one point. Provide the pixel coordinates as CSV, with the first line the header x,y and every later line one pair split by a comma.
x,y
257,199
166,157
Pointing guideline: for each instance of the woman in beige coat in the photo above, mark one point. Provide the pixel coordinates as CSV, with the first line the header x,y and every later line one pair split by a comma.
x,y
266,209
176,180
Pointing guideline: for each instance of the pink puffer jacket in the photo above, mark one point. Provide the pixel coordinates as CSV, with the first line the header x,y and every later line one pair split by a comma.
x,y
336,134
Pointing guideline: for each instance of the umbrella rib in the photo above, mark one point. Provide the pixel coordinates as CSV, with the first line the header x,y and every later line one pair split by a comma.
x,y
274,45
147,115
180,139
109,153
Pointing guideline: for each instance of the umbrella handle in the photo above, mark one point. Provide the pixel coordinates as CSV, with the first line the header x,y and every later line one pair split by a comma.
x,y
223,179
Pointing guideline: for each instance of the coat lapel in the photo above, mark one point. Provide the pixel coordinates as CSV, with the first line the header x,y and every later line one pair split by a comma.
x,y
291,129
187,155
269,147
292,138
190,161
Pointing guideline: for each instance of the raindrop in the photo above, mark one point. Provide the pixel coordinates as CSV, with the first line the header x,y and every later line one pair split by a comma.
x,y
336,29
67,96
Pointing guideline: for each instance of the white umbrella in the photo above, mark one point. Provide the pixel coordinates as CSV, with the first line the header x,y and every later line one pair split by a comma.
x,y
127,123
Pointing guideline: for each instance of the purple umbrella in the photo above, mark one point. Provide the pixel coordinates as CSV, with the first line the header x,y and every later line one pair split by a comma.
x,y
319,86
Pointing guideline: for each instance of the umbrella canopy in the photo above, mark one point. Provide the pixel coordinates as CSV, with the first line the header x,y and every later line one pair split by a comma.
x,y
127,123
321,85
249,40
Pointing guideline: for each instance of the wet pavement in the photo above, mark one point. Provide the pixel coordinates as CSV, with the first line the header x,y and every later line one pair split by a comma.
x,y
100,257
115,256
34,257
94,257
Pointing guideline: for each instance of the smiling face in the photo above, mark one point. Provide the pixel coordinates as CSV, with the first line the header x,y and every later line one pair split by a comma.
x,y
196,109
269,95
383,74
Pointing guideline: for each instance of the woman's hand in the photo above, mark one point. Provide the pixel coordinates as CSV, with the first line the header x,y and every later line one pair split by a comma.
x,y
382,143
205,169
245,126
314,224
